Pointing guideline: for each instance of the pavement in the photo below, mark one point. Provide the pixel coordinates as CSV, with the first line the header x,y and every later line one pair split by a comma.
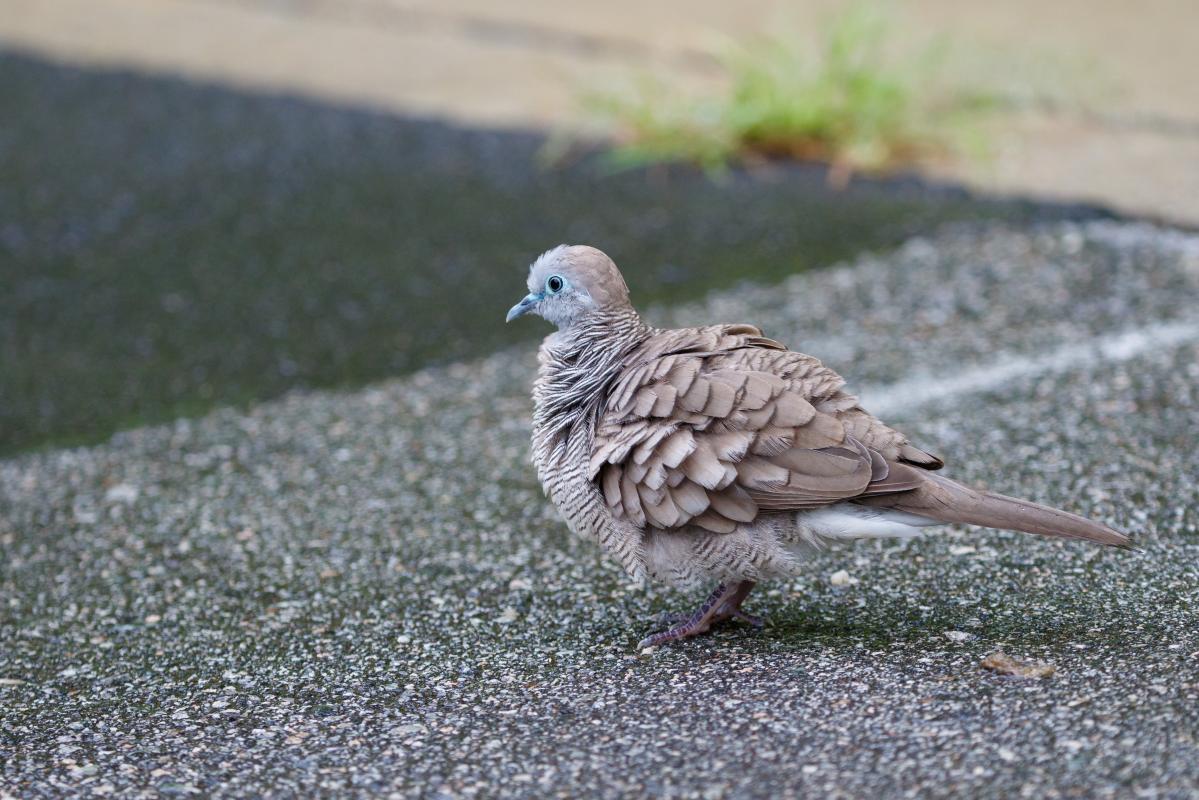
x,y
1105,108
363,593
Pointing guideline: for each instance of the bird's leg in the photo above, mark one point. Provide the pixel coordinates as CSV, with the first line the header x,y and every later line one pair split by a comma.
x,y
731,609
724,603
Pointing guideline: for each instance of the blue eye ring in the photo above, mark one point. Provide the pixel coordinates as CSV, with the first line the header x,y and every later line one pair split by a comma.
x,y
555,284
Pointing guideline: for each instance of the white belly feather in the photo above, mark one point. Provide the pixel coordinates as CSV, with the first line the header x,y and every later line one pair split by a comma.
x,y
847,521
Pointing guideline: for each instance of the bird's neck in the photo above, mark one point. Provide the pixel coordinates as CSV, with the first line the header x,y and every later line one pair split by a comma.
x,y
595,337
579,366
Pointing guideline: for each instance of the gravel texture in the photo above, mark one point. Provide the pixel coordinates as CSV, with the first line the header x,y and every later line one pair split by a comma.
x,y
365,593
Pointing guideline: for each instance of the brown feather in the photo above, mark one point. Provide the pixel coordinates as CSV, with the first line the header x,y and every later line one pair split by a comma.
x,y
683,373
665,402
736,379
822,430
757,420
879,468
627,388
773,442
630,501
703,467
649,497
730,475
655,473
821,463
663,513
720,399
730,446
691,498
791,411
899,478
697,396
648,445
760,387
944,500
645,401
611,484
754,473
914,455
712,521
734,503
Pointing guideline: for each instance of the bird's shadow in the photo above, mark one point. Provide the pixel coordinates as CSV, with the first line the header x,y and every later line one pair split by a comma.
x,y
885,624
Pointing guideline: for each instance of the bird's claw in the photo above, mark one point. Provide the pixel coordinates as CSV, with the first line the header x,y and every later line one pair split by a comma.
x,y
674,619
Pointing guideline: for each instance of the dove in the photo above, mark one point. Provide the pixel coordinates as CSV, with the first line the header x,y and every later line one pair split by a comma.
x,y
716,455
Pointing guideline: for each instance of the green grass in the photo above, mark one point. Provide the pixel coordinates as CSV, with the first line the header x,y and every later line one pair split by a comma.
x,y
854,103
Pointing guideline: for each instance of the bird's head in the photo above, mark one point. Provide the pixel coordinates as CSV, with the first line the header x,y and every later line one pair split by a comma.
x,y
570,283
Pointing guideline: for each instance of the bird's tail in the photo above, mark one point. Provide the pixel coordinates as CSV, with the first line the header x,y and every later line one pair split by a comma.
x,y
944,500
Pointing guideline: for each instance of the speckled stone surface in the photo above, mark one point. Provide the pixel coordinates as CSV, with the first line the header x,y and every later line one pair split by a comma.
x,y
366,594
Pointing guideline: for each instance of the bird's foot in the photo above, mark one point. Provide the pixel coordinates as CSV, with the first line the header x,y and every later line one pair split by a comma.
x,y
724,603
673,619
753,620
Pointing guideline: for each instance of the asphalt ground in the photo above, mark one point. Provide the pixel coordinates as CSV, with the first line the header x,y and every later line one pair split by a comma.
x,y
363,593
168,246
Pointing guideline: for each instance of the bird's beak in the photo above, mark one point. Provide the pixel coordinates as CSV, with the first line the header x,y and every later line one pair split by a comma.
x,y
523,307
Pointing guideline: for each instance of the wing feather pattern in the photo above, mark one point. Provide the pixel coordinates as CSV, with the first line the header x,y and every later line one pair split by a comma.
x,y
711,426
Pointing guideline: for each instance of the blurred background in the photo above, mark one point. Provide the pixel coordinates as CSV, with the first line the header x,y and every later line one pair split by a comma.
x,y
210,202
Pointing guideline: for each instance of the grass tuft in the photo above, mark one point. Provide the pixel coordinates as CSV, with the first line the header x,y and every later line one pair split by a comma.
x,y
853,103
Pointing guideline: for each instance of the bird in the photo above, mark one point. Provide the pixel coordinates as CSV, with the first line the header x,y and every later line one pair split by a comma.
x,y
716,455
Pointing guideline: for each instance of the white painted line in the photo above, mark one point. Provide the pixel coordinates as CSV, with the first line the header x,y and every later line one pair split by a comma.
x,y
922,390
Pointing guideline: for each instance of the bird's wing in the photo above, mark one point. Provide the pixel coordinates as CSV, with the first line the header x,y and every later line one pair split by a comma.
x,y
710,426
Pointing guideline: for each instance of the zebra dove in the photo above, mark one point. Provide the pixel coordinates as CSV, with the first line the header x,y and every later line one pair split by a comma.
x,y
715,454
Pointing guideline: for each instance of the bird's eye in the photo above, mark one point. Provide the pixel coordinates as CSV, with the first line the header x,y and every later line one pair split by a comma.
x,y
554,284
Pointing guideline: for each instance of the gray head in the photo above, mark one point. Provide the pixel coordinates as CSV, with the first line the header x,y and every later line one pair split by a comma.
x,y
570,283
